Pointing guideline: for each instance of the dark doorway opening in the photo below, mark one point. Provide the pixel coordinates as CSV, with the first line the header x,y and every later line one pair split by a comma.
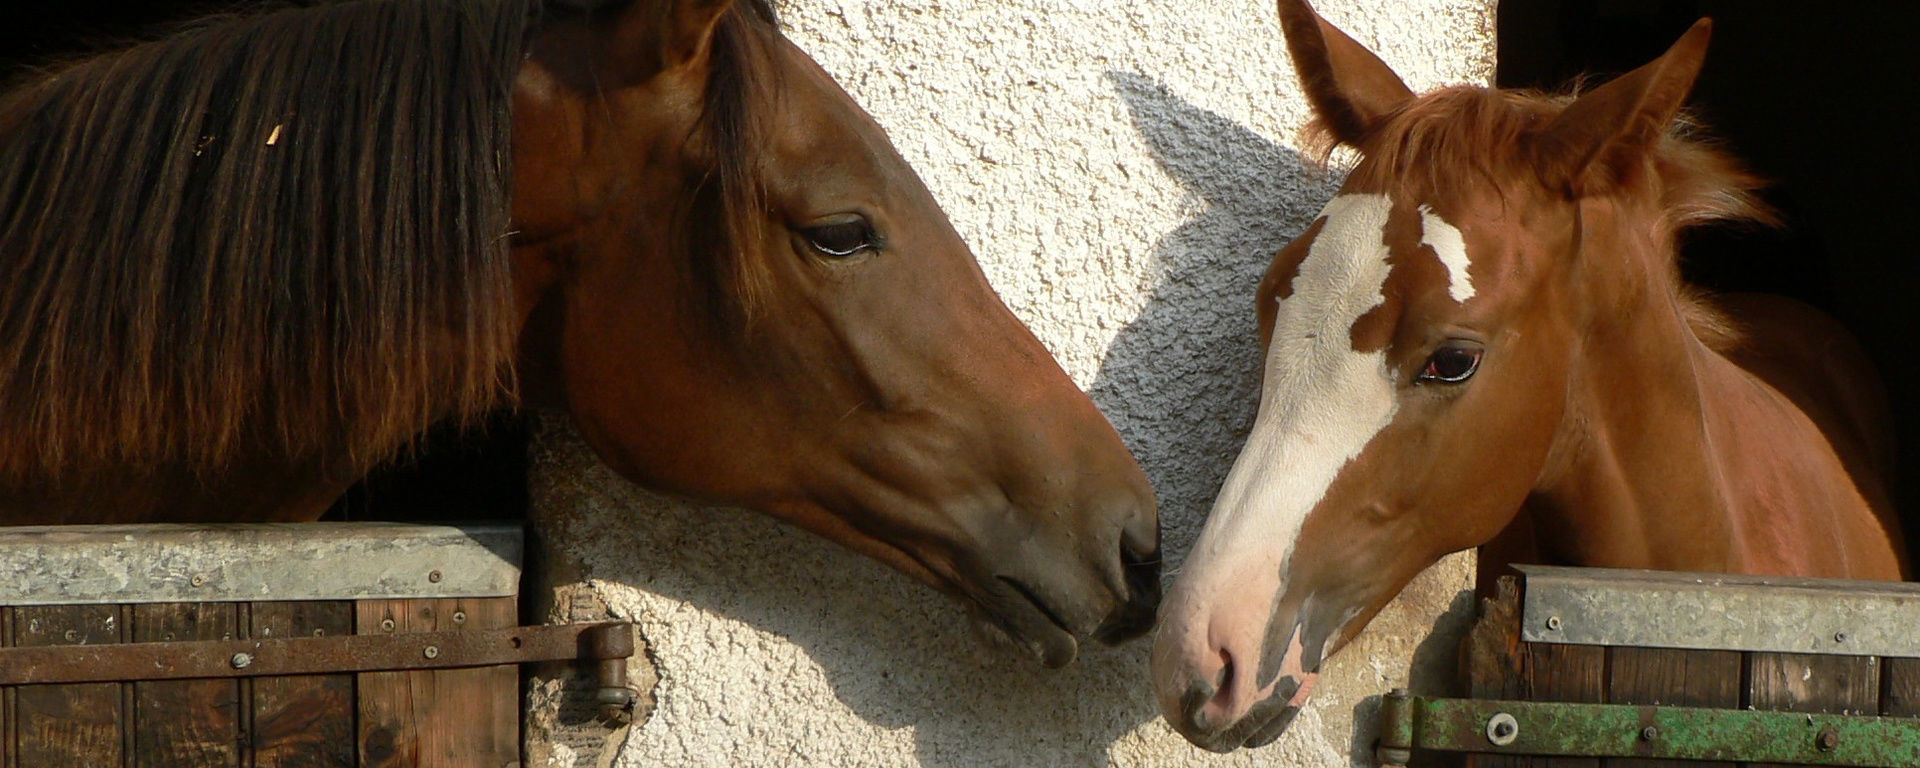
x,y
1820,98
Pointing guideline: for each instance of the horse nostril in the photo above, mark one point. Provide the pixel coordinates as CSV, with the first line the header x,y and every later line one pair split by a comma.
x,y
1139,603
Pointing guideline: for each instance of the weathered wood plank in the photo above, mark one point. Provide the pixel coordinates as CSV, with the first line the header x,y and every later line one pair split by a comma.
x,y
303,721
1493,661
1574,673
475,718
185,723
7,708
1900,688
386,735
1686,678
1793,682
68,725
448,718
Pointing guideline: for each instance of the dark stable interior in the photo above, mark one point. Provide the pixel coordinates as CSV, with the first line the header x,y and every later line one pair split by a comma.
x,y
1818,97
1821,99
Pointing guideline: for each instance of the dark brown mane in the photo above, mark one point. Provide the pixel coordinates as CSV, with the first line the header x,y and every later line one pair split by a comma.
x,y
1464,134
284,230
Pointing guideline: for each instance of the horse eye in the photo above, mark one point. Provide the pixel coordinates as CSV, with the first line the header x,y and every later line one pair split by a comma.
x,y
1451,364
841,239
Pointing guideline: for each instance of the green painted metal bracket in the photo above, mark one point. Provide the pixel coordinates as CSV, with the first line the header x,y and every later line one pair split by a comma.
x,y
1623,730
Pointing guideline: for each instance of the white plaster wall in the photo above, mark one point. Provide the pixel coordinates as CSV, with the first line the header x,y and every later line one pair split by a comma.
x,y
1123,170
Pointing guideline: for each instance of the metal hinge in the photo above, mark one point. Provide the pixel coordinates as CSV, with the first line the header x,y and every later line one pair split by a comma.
x,y
607,644
1623,730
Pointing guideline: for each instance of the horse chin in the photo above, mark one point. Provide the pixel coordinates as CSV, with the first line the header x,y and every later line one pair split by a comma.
x,y
1262,725
1036,637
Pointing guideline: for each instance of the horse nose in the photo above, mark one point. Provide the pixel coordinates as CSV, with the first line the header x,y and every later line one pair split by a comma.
x,y
1206,686
1140,592
1135,575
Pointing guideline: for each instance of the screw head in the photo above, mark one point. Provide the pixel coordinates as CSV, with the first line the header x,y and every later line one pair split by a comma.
x,y
386,625
1649,733
1839,637
1502,729
459,617
1553,623
1828,740
434,576
71,636
432,652
198,580
241,660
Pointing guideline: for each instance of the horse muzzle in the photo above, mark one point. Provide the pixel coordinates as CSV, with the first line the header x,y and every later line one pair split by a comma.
x,y
1050,597
1224,685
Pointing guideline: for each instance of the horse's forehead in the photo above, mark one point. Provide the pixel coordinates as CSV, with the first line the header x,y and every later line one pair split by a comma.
x,y
1372,252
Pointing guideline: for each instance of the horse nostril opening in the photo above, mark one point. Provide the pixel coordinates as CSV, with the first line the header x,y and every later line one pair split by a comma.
x,y
1140,602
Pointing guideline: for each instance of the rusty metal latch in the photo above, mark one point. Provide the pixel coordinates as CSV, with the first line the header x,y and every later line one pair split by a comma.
x,y
606,644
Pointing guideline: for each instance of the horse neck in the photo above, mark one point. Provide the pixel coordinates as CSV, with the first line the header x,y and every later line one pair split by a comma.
x,y
1670,455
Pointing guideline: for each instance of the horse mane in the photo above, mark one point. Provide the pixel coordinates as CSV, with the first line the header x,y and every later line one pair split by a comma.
x,y
287,229
1467,132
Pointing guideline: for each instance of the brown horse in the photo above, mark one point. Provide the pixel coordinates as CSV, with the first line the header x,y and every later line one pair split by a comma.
x,y
249,261
1483,338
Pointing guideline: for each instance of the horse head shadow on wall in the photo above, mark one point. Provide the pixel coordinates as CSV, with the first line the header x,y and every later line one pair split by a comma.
x,y
1181,380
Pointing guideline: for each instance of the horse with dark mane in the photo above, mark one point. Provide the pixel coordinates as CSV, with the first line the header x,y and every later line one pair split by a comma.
x,y
1483,340
249,261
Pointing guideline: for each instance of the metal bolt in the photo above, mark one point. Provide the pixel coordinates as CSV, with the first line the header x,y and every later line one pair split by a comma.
x,y
386,625
459,617
1839,637
1502,729
432,652
1553,623
242,660
71,635
319,631
198,580
1828,740
434,577
1649,733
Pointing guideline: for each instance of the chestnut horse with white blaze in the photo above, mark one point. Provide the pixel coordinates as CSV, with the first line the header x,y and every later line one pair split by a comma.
x,y
248,262
1483,340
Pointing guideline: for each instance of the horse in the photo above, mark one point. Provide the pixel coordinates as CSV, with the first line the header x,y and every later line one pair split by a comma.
x,y
253,259
1483,340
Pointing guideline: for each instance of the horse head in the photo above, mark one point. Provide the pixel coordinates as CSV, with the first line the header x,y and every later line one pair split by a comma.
x,y
1419,345
742,294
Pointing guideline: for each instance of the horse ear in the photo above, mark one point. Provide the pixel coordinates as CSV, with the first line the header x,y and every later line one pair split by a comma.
x,y
1599,138
651,36
1351,89
689,30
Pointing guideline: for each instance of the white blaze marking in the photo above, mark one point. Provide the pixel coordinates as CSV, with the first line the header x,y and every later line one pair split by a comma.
x,y
1321,403
1447,243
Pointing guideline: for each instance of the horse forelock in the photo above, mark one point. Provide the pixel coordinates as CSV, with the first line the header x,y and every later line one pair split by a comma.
x,y
723,220
1452,139
283,231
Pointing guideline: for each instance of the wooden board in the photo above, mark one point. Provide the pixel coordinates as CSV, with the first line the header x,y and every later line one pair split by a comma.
x,y
68,725
304,721
1793,682
1900,687
186,583
185,723
438,718
1503,663
1680,678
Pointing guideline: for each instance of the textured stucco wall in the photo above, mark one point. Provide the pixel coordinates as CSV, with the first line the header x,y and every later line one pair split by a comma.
x,y
1123,171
